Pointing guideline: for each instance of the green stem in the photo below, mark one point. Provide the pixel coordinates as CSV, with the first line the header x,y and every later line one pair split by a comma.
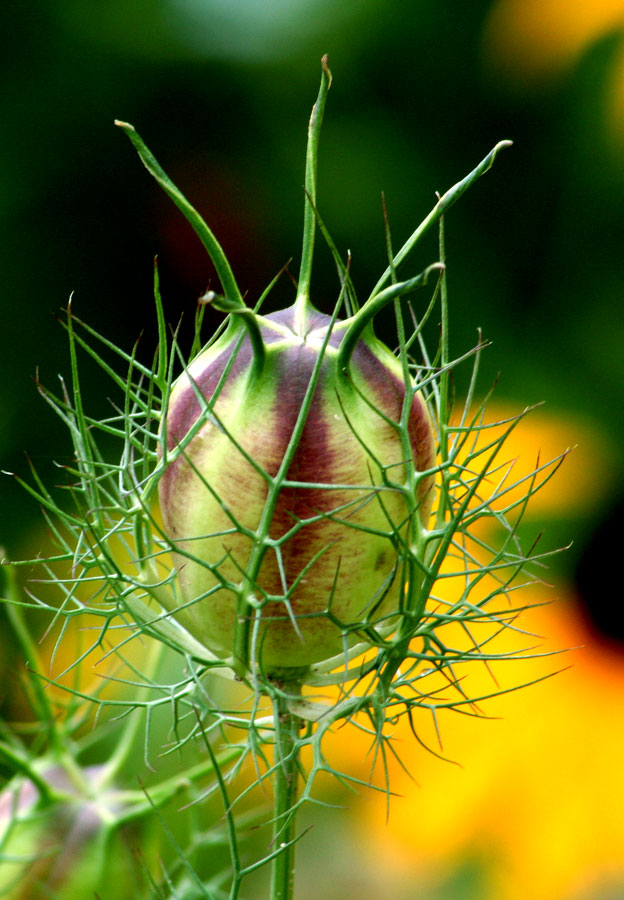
x,y
309,214
41,703
444,203
372,307
215,251
444,408
128,738
18,764
248,318
285,798
80,429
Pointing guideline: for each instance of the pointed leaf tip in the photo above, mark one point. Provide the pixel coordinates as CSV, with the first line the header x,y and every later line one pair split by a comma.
x,y
326,69
502,145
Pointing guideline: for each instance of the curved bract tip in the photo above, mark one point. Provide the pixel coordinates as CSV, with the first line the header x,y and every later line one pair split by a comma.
x,y
375,304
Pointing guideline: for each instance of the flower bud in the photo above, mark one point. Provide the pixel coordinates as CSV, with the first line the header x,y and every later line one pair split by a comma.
x,y
318,560
65,848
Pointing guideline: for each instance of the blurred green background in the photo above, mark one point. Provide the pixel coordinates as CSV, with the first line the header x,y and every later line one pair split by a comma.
x,y
221,92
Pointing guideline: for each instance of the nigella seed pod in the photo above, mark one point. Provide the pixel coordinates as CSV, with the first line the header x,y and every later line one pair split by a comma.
x,y
296,479
302,560
67,847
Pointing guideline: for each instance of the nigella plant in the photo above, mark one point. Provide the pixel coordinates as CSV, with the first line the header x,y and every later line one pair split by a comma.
x,y
295,507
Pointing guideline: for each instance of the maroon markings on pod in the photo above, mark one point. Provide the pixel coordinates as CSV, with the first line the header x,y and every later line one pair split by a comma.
x,y
185,409
327,453
387,388
294,370
389,391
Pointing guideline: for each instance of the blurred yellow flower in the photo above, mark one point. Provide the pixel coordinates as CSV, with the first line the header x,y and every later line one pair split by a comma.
x,y
581,481
538,38
530,42
535,798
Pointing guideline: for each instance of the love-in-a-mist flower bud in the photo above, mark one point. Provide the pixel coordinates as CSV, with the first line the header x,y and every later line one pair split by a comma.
x,y
297,470
286,514
67,847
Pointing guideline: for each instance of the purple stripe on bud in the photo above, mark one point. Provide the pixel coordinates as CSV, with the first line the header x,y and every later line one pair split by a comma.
x,y
335,559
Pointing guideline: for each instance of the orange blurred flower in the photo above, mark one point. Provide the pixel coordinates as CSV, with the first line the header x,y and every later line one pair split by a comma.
x,y
581,481
530,42
535,800
538,38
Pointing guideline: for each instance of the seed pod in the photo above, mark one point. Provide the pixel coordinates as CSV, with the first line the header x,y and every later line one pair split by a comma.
x,y
317,561
294,514
65,848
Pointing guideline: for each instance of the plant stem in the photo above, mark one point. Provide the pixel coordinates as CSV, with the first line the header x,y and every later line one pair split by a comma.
x,y
374,305
444,203
285,799
309,212
445,409
215,251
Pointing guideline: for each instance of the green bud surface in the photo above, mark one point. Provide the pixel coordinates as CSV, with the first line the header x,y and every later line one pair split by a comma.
x,y
317,562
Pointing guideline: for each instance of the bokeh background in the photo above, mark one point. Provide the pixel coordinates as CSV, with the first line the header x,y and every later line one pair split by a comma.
x,y
221,90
